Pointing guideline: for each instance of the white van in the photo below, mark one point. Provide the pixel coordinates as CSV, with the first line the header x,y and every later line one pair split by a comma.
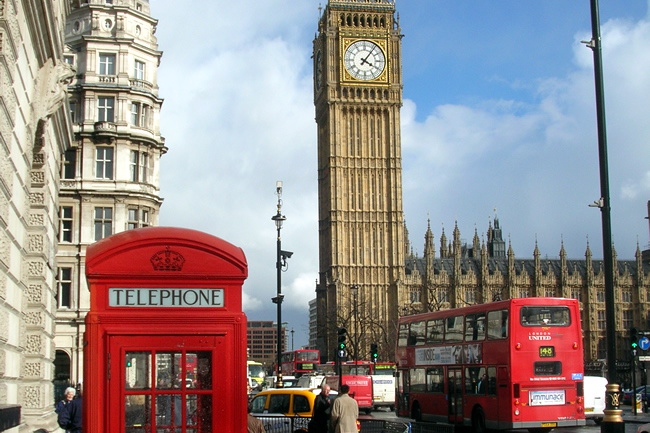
x,y
595,388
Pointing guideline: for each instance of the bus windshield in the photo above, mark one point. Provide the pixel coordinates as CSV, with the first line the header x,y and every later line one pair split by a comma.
x,y
255,370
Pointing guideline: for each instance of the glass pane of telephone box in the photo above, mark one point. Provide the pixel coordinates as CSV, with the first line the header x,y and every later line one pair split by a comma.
x,y
199,413
137,370
169,413
137,413
198,370
168,372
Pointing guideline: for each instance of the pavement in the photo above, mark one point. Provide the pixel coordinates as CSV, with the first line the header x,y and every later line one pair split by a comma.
x,y
640,417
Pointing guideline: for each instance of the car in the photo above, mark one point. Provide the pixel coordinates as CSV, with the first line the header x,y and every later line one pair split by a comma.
x,y
644,391
293,402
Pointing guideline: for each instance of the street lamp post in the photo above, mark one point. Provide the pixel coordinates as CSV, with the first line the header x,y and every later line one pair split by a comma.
x,y
613,421
354,290
278,218
292,331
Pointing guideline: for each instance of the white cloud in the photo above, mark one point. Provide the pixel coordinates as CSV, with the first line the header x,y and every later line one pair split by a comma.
x,y
238,115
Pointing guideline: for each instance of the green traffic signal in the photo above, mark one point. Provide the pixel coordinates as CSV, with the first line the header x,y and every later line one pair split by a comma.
x,y
373,351
342,334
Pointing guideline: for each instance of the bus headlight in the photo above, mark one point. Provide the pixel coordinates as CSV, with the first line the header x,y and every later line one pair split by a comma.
x,y
517,412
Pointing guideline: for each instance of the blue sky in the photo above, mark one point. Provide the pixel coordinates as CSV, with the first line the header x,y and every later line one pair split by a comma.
x,y
499,112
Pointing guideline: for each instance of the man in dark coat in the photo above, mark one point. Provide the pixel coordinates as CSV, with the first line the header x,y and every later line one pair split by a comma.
x,y
70,416
321,418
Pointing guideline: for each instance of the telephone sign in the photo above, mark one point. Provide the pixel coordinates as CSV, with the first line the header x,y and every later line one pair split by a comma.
x,y
644,343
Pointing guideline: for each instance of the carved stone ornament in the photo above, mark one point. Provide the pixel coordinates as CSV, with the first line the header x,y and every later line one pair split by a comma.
x,y
167,260
63,74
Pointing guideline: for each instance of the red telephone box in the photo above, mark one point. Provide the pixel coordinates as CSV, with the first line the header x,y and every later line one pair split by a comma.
x,y
165,341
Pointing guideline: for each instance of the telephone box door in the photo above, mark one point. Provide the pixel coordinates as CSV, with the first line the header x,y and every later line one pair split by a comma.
x,y
156,385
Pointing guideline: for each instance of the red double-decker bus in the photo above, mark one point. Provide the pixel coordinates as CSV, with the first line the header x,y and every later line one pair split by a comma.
x,y
502,365
299,362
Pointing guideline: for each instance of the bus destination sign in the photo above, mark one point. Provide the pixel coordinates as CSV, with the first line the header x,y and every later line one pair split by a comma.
x,y
163,297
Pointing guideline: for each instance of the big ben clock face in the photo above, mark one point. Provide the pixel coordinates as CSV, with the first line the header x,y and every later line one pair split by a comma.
x,y
364,60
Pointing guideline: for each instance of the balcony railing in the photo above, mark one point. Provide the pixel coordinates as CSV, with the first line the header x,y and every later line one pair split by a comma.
x,y
105,129
142,84
111,79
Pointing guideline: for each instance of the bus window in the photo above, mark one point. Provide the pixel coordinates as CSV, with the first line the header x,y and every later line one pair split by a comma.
x,y
435,331
417,333
475,380
492,381
454,329
545,316
475,327
402,339
497,326
418,383
435,380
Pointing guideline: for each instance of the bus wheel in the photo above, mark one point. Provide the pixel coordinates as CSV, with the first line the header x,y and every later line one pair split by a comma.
x,y
416,412
478,421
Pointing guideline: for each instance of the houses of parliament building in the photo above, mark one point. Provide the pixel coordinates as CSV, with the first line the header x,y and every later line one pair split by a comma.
x,y
461,274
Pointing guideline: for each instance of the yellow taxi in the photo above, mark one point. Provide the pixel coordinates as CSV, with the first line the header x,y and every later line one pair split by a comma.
x,y
287,401
297,403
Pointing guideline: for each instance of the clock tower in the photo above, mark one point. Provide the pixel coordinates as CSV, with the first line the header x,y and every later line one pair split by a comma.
x,y
358,96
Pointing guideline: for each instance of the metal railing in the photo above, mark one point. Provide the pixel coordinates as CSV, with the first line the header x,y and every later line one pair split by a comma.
x,y
425,427
383,426
285,424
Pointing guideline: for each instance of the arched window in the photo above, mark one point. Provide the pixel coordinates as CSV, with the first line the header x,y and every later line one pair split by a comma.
x,y
61,374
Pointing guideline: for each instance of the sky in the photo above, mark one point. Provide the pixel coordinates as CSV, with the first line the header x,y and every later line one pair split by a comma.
x,y
499,118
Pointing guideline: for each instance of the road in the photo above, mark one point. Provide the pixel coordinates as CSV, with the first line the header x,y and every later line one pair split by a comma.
x,y
591,427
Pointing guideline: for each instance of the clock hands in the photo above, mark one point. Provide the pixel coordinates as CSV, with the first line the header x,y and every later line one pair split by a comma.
x,y
366,59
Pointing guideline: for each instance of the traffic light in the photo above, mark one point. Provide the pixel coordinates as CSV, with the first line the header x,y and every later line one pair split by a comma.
x,y
342,335
373,352
634,338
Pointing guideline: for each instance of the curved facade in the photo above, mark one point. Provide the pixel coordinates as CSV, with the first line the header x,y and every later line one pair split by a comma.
x,y
110,176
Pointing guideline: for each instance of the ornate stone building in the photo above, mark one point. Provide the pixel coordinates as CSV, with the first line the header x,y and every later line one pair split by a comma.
x,y
110,176
358,96
478,273
35,130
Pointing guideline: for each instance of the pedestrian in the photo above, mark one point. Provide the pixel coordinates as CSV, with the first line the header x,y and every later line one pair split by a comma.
x,y
322,408
68,395
254,424
70,416
345,412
